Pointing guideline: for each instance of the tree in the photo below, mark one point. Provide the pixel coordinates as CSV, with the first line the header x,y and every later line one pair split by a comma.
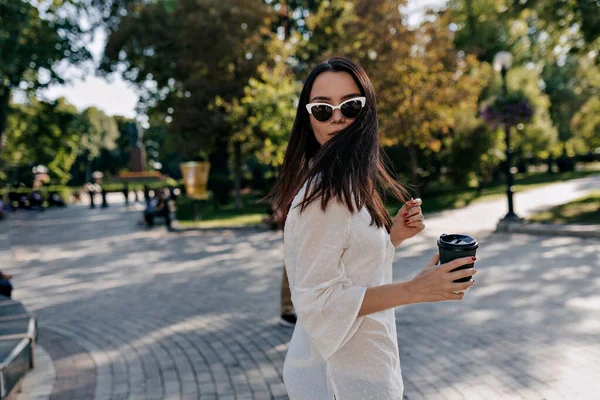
x,y
552,58
262,120
44,133
425,85
98,132
481,26
421,78
533,28
182,55
537,137
472,151
586,124
31,45
581,18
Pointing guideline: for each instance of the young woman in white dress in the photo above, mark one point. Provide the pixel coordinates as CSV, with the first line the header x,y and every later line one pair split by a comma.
x,y
339,243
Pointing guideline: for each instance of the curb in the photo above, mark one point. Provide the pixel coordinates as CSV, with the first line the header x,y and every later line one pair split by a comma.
x,y
583,231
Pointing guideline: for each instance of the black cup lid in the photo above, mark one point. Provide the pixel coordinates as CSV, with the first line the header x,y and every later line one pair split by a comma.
x,y
457,242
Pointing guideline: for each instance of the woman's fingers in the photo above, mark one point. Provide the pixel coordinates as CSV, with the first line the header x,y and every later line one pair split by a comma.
x,y
463,273
434,260
457,287
413,211
459,262
410,209
418,218
416,225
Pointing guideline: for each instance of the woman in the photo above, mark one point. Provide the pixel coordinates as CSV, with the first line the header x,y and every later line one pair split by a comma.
x,y
339,243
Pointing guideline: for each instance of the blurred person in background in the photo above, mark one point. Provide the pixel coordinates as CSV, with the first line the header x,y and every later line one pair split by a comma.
x,y
276,221
5,285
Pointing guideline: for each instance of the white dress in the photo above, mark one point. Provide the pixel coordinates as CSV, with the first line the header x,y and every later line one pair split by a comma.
x,y
331,258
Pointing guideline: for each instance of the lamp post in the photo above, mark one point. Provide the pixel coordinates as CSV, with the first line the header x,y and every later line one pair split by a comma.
x,y
502,63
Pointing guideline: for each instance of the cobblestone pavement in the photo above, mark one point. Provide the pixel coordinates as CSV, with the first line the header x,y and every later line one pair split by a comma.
x,y
131,313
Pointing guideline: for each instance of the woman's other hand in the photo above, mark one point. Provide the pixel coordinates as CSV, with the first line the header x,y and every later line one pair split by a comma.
x,y
409,221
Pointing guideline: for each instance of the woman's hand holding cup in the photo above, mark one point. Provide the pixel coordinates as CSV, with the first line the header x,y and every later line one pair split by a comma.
x,y
435,282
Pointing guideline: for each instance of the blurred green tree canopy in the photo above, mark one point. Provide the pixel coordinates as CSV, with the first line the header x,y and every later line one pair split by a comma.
x,y
220,80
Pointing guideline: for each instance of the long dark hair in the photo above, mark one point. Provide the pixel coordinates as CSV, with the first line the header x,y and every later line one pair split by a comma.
x,y
348,167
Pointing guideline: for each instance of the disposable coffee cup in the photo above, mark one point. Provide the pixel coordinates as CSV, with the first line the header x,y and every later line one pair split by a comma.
x,y
456,246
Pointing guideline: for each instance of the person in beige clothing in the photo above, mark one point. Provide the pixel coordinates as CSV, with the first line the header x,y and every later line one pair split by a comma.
x,y
276,221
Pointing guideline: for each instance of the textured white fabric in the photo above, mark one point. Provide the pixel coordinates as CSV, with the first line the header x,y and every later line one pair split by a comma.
x,y
332,257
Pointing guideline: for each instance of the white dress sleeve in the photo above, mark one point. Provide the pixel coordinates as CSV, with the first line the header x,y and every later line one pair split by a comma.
x,y
325,299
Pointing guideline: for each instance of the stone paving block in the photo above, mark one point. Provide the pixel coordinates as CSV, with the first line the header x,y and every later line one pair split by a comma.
x,y
207,388
259,395
277,389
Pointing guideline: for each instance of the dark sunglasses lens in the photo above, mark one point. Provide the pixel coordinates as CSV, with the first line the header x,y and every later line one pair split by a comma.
x,y
351,109
322,112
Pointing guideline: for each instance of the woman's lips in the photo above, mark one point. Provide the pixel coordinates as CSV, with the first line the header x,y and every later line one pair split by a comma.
x,y
333,133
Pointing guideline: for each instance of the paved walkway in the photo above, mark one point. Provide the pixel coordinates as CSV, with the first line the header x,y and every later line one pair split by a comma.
x,y
130,313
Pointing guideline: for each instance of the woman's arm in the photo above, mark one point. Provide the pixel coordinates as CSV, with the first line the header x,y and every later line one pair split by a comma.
x,y
395,240
434,283
325,298
384,297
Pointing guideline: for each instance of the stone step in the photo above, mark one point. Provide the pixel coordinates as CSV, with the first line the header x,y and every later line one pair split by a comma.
x,y
17,340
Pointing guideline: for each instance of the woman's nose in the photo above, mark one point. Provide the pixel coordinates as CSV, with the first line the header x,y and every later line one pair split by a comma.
x,y
337,116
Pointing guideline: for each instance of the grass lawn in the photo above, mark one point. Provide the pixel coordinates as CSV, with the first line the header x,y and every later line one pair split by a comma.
x,y
251,214
226,216
585,210
224,222
461,198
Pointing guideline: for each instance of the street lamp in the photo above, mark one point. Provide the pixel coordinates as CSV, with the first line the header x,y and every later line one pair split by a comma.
x,y
502,62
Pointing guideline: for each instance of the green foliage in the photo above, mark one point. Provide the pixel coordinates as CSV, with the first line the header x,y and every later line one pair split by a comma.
x,y
555,55
580,18
586,124
585,210
182,55
473,152
31,45
99,131
421,78
481,26
538,136
263,118
227,215
530,29
54,134
214,74
44,133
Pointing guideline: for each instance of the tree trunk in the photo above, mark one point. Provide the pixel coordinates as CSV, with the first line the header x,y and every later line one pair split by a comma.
x,y
414,165
238,174
4,99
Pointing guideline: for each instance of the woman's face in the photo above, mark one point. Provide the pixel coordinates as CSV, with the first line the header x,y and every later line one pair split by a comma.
x,y
332,88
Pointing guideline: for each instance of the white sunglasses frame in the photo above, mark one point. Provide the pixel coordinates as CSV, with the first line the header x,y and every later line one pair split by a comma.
x,y
362,99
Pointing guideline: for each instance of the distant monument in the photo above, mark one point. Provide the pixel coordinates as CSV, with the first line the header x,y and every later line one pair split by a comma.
x,y
138,153
137,164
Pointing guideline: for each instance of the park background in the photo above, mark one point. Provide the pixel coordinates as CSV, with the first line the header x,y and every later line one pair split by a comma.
x,y
106,308
219,81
